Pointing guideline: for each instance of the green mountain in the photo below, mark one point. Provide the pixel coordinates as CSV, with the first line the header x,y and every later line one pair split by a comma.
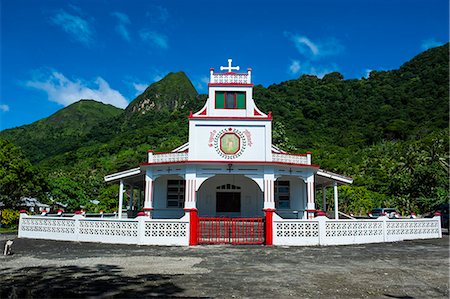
x,y
61,131
389,131
173,92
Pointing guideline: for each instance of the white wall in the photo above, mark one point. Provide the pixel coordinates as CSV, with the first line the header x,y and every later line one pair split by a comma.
x,y
161,211
204,135
297,198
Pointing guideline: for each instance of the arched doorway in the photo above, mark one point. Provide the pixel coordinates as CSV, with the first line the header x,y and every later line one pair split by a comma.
x,y
230,195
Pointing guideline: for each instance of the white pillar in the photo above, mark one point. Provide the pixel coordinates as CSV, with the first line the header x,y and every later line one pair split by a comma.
x,y
190,200
336,204
269,192
120,198
324,199
311,206
148,193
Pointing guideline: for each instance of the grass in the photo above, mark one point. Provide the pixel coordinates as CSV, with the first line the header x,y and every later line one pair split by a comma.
x,y
8,230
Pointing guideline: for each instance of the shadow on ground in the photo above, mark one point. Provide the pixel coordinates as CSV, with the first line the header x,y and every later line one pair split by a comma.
x,y
100,281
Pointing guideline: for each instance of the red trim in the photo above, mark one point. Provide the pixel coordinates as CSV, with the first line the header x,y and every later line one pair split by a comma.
x,y
231,117
211,69
269,226
231,161
269,116
320,213
256,113
147,209
203,112
249,69
22,211
311,211
309,153
230,84
437,214
141,214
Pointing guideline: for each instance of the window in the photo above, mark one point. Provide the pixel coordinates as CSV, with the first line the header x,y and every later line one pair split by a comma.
x,y
230,100
282,195
175,193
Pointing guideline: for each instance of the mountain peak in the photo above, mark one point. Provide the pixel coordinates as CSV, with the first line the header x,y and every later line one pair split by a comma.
x,y
172,92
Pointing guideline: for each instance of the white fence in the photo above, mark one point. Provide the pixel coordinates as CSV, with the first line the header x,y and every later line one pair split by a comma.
x,y
142,230
324,231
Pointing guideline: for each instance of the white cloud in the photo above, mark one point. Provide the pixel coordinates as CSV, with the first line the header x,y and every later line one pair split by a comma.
x,y
202,83
4,107
315,49
430,43
306,68
155,38
140,87
64,91
367,73
294,68
121,28
158,14
77,28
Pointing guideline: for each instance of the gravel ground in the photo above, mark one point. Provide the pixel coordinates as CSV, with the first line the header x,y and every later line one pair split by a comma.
x,y
53,269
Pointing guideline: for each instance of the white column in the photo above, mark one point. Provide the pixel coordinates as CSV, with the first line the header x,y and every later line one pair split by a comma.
x,y
324,199
148,193
120,198
190,198
336,205
269,192
311,206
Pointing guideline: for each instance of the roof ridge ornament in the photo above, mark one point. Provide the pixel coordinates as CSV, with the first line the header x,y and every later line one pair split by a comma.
x,y
229,68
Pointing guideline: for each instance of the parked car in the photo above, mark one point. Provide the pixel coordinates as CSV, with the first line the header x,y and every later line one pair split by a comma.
x,y
443,210
389,212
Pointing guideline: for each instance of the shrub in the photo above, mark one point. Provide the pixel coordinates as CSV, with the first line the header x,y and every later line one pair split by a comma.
x,y
10,217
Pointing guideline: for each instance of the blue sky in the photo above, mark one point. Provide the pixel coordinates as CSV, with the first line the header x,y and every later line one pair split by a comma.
x,y
55,52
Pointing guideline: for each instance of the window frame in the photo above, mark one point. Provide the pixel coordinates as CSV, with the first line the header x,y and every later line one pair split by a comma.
x,y
235,96
277,194
180,187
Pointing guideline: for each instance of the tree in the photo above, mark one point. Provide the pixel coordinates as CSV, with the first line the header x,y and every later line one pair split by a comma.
x,y
18,178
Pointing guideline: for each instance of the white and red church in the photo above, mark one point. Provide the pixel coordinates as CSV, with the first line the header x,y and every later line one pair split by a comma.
x,y
227,184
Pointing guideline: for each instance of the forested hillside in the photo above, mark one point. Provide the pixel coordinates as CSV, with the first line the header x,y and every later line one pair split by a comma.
x,y
389,132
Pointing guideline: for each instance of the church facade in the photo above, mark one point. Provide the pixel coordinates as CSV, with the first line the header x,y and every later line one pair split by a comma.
x,y
229,167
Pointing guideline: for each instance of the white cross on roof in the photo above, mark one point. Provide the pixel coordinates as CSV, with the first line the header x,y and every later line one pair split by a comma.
x,y
229,68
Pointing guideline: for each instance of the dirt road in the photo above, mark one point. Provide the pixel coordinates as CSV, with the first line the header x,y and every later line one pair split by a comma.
x,y
51,269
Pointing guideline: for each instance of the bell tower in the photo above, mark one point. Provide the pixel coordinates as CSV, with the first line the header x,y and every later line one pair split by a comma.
x,y
230,127
230,94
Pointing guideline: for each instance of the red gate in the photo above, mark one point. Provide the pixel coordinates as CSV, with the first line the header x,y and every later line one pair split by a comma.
x,y
212,230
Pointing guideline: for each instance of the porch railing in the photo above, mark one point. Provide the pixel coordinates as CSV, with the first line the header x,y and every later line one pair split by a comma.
x,y
169,157
289,158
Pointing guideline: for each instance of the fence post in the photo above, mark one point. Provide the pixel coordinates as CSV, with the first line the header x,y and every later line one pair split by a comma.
x,y
437,216
269,226
193,226
322,220
141,228
383,219
77,218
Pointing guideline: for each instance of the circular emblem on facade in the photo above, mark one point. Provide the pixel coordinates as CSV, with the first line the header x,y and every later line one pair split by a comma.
x,y
229,143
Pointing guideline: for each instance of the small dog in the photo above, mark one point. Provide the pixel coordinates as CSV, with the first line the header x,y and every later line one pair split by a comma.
x,y
8,246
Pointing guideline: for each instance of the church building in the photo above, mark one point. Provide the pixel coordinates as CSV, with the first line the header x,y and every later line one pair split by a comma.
x,y
229,167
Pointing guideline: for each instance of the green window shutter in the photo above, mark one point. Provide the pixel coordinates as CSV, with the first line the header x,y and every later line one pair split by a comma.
x,y
240,100
220,99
